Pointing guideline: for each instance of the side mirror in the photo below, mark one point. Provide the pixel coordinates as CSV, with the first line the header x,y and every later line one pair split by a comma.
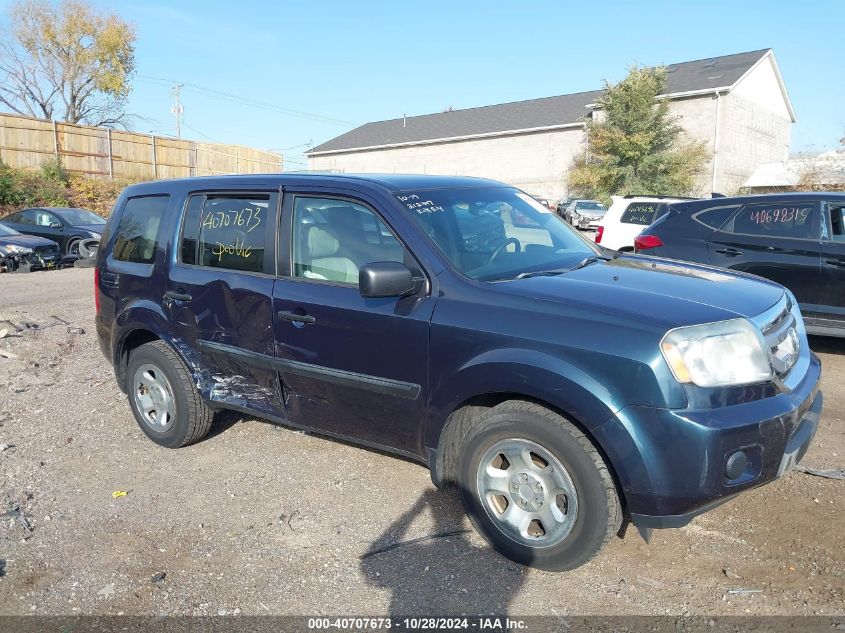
x,y
385,279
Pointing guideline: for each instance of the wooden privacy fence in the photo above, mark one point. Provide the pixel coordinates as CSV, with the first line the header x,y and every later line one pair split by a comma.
x,y
107,153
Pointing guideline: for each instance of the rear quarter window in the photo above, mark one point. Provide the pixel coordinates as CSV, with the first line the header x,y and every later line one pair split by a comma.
x,y
136,235
715,217
641,213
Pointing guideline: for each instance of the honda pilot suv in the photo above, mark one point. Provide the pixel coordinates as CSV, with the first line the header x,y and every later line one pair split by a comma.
x,y
563,387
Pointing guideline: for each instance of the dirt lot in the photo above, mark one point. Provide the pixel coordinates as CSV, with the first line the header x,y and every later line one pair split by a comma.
x,y
260,519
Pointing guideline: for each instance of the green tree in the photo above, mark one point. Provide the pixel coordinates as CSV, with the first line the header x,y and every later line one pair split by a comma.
x,y
69,61
634,146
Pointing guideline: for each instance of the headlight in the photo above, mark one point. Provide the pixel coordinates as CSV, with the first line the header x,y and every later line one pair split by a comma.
x,y
14,249
717,354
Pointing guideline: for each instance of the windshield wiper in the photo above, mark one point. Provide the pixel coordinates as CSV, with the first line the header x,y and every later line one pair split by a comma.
x,y
542,273
592,259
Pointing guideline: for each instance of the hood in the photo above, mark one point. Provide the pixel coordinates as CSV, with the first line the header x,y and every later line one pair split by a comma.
x,y
590,213
662,292
94,228
28,241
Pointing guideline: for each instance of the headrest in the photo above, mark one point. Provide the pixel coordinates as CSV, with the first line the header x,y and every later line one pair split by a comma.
x,y
321,243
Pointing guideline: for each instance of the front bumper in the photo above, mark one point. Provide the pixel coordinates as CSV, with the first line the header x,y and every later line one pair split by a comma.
x,y
675,465
586,222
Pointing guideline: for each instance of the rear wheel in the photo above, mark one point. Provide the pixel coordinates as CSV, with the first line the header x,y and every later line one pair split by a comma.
x,y
536,488
163,399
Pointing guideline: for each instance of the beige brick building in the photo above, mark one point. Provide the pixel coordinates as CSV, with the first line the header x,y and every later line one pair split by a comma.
x,y
736,104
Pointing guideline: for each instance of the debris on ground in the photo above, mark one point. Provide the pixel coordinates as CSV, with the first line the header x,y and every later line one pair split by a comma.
x,y
6,447
2,567
118,493
744,592
75,330
287,519
819,472
157,578
731,574
6,354
107,591
4,332
648,582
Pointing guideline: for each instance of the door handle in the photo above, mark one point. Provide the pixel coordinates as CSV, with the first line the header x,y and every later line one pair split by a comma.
x,y
296,318
176,296
730,252
835,262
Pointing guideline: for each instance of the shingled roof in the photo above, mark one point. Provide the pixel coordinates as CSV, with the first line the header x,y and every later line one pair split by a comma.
x,y
550,112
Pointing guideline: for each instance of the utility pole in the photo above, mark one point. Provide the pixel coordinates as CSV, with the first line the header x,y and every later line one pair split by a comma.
x,y
177,108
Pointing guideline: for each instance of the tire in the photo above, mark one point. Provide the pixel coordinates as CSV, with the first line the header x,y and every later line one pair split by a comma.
x,y
580,504
73,246
163,399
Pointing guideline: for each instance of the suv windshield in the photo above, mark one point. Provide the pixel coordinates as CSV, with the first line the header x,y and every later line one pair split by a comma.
x,y
497,232
77,217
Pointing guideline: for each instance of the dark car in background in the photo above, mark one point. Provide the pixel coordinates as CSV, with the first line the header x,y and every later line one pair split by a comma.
x,y
561,386
29,251
68,227
795,239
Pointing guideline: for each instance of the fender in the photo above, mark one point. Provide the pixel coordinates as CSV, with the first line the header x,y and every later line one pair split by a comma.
x,y
539,376
147,315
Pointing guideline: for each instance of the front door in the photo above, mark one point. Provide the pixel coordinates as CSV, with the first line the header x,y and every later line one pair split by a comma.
x,y
349,365
778,241
219,295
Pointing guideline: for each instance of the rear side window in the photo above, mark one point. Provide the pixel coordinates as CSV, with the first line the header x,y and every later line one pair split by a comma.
x,y
136,234
640,213
776,220
715,218
227,231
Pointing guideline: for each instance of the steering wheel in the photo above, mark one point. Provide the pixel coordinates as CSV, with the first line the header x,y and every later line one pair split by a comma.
x,y
504,245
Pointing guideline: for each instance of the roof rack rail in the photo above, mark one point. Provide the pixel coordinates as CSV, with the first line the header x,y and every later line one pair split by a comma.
x,y
651,195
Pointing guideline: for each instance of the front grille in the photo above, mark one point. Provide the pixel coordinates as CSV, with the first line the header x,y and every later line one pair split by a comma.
x,y
47,251
780,332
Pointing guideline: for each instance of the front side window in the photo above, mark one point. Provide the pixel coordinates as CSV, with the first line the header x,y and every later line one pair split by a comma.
x,y
45,218
639,213
136,234
795,220
333,239
837,223
495,233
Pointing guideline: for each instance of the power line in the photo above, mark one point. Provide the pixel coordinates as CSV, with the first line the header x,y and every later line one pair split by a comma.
x,y
228,96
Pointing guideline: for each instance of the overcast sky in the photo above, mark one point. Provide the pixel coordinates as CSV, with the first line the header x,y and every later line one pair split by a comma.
x,y
328,66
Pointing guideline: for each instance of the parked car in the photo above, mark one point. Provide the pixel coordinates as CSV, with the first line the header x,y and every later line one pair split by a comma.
x,y
627,216
68,227
795,239
584,214
562,204
29,251
561,386
544,201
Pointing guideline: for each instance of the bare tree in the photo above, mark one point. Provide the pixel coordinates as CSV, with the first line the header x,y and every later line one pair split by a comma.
x,y
70,62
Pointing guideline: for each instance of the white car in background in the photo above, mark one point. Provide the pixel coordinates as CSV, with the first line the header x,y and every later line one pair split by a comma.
x,y
628,216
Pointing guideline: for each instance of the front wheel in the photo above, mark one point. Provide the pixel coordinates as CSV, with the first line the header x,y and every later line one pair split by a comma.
x,y
536,488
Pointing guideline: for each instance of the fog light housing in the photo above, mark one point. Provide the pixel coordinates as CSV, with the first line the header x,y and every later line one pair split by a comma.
x,y
736,465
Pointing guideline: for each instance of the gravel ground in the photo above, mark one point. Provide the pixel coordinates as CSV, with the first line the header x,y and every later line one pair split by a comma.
x,y
259,519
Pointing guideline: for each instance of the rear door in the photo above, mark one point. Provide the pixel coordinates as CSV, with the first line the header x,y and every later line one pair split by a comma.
x,y
219,294
349,365
831,311
778,240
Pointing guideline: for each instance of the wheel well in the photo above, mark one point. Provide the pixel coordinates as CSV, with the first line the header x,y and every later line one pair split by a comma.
x,y
133,340
465,415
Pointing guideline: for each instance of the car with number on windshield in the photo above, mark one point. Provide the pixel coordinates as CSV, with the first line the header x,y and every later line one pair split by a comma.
x,y
564,388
